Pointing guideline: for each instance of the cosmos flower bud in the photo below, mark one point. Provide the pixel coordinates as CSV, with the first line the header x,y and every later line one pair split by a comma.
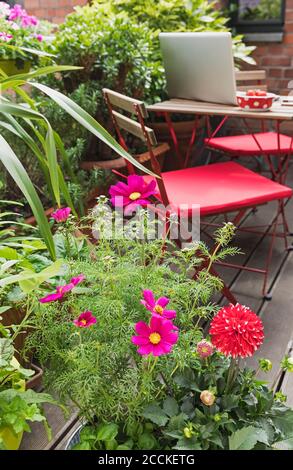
x,y
207,397
287,364
279,396
187,433
265,365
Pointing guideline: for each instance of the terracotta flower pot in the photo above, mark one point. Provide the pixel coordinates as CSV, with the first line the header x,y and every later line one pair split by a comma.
x,y
15,66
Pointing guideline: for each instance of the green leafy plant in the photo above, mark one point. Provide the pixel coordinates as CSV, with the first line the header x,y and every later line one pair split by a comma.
x,y
94,366
44,142
242,417
117,45
18,406
264,10
22,34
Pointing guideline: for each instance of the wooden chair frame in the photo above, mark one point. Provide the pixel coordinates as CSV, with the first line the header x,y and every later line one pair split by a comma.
x,y
146,134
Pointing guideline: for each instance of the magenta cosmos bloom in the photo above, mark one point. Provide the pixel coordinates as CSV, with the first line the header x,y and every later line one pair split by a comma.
x,y
85,320
135,193
157,307
39,37
16,12
27,21
61,215
62,290
157,338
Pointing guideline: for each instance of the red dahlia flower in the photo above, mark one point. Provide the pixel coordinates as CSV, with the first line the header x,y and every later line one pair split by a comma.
x,y
236,331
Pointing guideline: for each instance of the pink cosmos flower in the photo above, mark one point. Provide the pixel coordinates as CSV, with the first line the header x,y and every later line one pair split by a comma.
x,y
16,12
39,37
157,339
85,320
135,193
61,215
76,280
204,348
157,307
27,21
5,36
62,290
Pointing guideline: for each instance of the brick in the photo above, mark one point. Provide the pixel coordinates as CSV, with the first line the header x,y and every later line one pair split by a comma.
x,y
261,50
289,27
276,61
276,73
57,19
288,39
288,73
289,16
78,2
29,4
276,49
40,12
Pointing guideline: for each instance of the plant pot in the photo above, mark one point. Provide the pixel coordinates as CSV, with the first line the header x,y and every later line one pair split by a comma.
x,y
15,66
183,131
15,316
11,441
35,382
74,438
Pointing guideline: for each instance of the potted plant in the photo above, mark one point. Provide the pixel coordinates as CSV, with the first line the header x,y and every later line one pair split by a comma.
x,y
18,405
24,264
21,37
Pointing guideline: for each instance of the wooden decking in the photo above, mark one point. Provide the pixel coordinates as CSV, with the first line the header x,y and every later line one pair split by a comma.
x,y
276,314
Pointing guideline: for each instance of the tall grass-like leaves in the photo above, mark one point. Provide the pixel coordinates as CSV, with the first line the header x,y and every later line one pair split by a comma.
x,y
22,78
21,178
50,147
87,121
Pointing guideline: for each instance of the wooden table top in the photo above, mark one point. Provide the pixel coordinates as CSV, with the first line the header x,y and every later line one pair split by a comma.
x,y
277,112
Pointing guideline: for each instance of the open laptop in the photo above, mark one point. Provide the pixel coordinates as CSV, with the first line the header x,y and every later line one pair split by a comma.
x,y
199,66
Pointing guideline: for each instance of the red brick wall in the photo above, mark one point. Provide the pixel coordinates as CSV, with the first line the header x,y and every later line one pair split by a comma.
x,y
53,10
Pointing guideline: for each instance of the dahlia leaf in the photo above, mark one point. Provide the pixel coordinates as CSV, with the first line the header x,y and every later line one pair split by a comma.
x,y
246,438
286,444
188,444
155,414
284,423
170,406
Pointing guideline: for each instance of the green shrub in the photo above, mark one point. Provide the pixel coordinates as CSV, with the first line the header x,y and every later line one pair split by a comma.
x,y
116,43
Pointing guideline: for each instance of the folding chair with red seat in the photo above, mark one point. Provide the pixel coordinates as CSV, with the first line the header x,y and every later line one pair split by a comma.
x,y
265,143
219,188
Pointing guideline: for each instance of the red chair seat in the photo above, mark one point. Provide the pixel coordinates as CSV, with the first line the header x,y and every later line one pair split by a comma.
x,y
220,187
246,145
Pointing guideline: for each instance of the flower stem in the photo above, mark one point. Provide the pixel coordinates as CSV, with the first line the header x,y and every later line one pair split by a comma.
x,y
232,374
153,364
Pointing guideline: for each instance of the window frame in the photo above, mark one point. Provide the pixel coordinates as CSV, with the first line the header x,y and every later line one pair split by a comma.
x,y
256,26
